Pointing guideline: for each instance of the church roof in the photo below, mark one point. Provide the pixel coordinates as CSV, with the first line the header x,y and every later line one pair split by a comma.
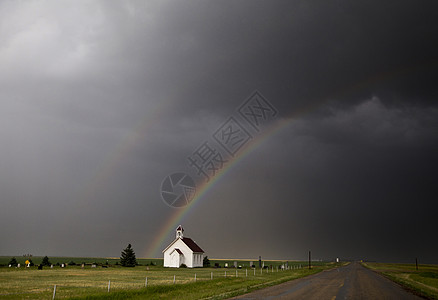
x,y
188,241
177,250
192,245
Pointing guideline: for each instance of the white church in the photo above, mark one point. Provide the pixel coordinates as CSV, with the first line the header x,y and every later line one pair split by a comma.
x,y
183,250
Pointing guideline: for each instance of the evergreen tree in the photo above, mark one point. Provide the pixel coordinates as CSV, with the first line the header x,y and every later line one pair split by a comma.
x,y
13,262
128,257
45,261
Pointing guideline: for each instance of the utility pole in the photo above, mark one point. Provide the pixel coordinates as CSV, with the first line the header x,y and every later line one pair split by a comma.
x,y
310,263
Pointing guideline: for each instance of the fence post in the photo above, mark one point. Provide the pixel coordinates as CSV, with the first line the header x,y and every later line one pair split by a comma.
x,y
54,292
173,279
146,282
211,275
195,277
236,273
109,285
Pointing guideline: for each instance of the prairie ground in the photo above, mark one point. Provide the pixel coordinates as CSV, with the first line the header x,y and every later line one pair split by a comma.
x,y
423,281
89,282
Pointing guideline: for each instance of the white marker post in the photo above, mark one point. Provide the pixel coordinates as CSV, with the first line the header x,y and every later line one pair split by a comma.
x,y
146,282
54,292
254,271
173,279
236,273
211,275
109,285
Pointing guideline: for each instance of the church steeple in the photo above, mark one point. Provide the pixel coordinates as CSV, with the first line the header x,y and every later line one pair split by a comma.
x,y
179,232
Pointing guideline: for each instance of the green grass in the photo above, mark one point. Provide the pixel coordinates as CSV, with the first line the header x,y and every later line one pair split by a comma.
x,y
4,260
423,281
92,283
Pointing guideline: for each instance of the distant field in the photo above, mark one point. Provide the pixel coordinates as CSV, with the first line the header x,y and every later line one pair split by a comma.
x,y
73,281
4,260
424,281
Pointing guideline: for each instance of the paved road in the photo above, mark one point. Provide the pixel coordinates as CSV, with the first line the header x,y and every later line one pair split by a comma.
x,y
350,282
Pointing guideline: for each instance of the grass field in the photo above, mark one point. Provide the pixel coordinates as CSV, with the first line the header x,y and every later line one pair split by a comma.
x,y
92,283
4,260
423,281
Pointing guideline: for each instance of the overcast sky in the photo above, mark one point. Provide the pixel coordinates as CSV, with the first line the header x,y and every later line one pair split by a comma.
x,y
101,100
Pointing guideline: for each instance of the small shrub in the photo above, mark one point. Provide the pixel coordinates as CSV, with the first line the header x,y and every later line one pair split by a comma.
x,y
45,261
183,266
13,262
206,262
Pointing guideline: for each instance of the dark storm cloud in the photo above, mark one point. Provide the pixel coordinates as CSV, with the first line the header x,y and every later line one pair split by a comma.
x,y
307,51
342,185
100,101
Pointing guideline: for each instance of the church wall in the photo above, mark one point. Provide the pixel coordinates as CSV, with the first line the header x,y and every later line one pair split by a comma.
x,y
188,257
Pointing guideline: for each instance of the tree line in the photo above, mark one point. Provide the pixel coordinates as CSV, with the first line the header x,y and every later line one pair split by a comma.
x,y
127,259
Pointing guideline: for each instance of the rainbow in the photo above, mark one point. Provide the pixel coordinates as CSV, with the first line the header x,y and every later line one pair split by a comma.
x,y
112,159
179,214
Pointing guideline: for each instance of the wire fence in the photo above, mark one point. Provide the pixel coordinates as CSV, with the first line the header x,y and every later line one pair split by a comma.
x,y
87,287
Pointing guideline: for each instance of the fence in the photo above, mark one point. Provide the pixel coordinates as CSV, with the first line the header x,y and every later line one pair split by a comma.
x,y
151,278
